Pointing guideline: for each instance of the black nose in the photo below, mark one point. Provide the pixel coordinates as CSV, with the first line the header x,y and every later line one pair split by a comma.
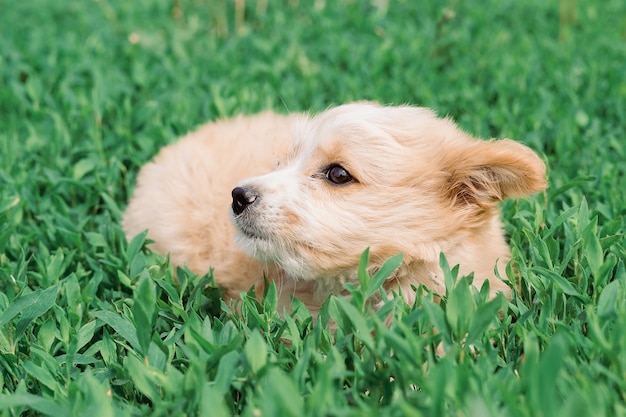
x,y
242,198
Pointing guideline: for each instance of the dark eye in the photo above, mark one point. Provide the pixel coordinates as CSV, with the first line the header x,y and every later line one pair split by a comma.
x,y
337,175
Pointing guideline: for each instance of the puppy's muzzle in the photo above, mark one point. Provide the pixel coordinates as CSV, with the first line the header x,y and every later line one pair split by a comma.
x,y
243,197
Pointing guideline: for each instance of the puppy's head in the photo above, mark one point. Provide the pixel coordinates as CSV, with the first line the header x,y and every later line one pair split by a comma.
x,y
395,179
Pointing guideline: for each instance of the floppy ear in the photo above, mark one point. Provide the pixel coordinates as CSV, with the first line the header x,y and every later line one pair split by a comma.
x,y
486,172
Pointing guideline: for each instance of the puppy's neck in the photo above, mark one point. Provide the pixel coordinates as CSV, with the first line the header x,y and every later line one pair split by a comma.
x,y
480,251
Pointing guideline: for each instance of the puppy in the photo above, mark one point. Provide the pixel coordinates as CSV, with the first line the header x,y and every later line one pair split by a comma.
x,y
297,199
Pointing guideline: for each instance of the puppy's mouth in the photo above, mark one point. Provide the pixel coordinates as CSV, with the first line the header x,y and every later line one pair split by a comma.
x,y
248,231
250,234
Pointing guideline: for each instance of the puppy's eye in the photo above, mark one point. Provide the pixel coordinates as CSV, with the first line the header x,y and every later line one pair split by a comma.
x,y
338,175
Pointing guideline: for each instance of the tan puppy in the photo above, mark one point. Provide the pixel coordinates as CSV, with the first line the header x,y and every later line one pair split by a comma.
x,y
298,199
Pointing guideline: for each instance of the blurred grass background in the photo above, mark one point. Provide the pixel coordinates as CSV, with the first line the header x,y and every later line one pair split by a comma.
x,y
91,90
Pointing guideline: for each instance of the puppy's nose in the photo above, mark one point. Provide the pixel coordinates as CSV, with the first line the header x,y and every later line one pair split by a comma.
x,y
242,198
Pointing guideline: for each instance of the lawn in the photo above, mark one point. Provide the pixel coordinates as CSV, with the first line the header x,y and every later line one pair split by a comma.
x,y
92,325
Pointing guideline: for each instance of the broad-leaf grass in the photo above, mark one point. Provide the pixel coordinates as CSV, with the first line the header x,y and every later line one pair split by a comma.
x,y
91,324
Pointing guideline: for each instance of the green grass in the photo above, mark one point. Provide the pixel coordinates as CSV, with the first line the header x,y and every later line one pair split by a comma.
x,y
93,325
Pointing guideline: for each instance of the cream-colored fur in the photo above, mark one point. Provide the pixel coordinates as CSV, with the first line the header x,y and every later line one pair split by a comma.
x,y
417,185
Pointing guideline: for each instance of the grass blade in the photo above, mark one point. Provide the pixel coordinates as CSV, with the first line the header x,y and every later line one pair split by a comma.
x,y
385,271
122,326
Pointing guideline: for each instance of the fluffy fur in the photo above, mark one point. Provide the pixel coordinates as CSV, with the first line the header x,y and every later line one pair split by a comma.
x,y
417,185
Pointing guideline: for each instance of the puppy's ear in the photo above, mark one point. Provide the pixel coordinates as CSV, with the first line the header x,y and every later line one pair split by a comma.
x,y
485,173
